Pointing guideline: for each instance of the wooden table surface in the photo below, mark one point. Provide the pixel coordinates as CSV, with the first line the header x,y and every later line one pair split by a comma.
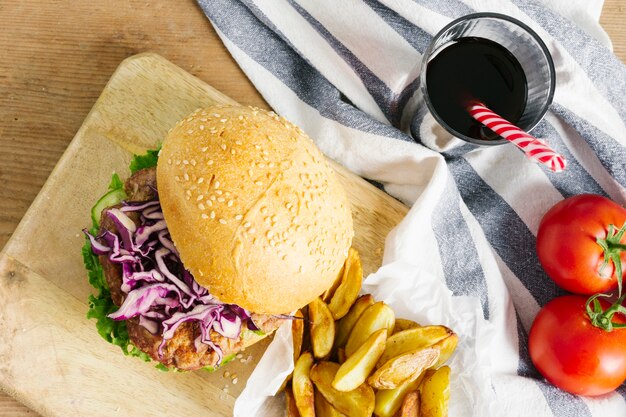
x,y
56,56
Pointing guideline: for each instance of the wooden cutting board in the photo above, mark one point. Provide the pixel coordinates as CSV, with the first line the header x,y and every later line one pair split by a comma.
x,y
51,357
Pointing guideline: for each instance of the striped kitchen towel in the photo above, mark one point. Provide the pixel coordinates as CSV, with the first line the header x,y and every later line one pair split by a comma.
x,y
346,72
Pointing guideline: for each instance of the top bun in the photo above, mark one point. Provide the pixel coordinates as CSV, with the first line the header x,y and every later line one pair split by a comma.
x,y
254,209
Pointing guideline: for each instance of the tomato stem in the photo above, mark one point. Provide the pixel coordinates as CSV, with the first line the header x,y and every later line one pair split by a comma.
x,y
604,319
612,252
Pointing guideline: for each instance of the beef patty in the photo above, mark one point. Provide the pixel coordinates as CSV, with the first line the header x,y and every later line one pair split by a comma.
x,y
179,351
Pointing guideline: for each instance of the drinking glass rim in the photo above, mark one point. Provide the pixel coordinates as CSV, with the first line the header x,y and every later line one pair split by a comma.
x,y
474,16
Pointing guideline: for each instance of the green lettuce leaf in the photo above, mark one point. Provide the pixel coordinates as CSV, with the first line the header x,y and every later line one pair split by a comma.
x,y
116,183
147,160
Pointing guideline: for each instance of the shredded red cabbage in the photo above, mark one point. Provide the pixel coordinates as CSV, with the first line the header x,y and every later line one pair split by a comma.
x,y
159,290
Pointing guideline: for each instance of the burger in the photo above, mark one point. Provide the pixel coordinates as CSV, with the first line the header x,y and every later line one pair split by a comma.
x,y
215,239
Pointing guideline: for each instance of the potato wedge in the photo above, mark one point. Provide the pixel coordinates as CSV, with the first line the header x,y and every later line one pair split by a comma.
x,y
302,385
355,403
291,409
297,332
403,368
345,325
446,347
341,355
322,328
389,401
377,316
404,324
413,339
410,405
355,370
435,394
323,408
328,294
347,292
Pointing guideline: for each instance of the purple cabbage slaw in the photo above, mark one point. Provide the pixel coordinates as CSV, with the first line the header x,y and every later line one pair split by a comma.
x,y
159,290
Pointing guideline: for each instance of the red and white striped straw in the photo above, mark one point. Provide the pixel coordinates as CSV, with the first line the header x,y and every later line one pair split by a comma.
x,y
535,149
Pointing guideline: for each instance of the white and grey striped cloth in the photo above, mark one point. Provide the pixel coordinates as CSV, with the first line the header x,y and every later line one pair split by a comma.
x,y
346,72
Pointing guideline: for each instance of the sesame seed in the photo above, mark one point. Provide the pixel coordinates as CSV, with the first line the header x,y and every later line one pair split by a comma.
x,y
177,178
238,217
201,206
200,180
186,177
222,221
238,142
212,214
201,127
226,374
210,162
252,230
235,380
204,119
223,120
232,151
193,162
216,185
259,183
169,161
217,115
204,216
246,224
220,199
264,210
223,146
209,203
190,131
271,165
218,192
188,192
257,147
240,117
230,203
204,149
288,206
177,162
272,243
186,162
212,197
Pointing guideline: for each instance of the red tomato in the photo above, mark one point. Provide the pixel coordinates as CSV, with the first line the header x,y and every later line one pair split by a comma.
x,y
573,354
566,243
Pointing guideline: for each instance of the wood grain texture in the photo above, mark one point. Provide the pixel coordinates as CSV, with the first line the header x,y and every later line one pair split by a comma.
x,y
56,57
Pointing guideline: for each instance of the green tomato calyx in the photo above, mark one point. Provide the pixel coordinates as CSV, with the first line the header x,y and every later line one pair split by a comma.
x,y
612,248
604,319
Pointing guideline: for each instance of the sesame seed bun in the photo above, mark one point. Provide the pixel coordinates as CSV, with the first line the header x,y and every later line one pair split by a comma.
x,y
254,209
